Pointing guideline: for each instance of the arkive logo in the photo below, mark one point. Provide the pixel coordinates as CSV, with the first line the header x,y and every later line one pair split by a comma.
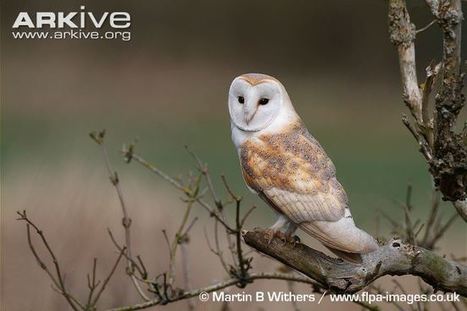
x,y
80,24
73,19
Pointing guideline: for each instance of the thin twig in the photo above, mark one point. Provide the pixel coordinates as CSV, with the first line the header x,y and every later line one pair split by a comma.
x,y
426,27
177,241
92,284
212,212
98,137
57,280
291,287
432,216
246,215
109,276
444,228
185,273
203,168
218,286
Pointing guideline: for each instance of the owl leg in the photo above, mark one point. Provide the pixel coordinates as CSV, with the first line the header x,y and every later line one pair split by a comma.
x,y
282,224
289,233
290,229
283,228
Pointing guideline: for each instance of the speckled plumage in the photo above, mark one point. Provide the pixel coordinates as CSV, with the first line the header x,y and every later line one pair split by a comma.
x,y
287,167
295,173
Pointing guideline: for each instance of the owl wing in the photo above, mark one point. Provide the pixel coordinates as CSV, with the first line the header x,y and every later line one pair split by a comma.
x,y
292,172
306,207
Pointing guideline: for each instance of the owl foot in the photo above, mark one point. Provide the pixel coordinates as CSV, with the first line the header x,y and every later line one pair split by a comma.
x,y
292,239
271,234
295,240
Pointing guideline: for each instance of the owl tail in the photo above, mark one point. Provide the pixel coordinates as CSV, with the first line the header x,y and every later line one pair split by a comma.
x,y
342,237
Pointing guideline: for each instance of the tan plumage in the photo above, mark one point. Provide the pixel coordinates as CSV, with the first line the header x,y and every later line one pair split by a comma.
x,y
289,169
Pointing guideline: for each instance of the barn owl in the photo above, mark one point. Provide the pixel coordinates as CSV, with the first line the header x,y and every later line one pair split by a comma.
x,y
287,167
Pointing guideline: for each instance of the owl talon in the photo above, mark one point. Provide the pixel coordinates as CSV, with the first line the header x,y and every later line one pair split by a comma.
x,y
271,234
296,240
284,239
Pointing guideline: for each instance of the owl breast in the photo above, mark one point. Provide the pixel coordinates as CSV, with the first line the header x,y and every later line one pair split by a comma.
x,y
291,160
293,174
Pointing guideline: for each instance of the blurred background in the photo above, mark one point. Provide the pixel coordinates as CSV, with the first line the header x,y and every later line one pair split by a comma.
x,y
167,87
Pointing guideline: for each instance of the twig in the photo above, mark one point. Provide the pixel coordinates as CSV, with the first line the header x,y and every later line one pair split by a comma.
x,y
246,215
203,168
291,287
98,137
243,263
367,306
178,239
409,228
426,27
402,34
139,267
92,284
212,212
57,280
432,217
218,251
380,291
444,228
218,286
109,276
185,273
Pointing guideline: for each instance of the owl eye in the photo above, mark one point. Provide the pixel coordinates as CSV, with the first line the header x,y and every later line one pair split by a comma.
x,y
241,99
263,101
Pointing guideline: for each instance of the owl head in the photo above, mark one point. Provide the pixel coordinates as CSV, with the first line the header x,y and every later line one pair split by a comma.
x,y
258,101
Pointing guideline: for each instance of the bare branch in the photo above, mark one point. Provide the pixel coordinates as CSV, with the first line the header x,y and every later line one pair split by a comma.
x,y
57,279
129,154
245,217
450,172
92,284
203,168
291,288
109,276
426,27
443,230
135,265
402,34
215,287
218,252
431,218
394,258
185,272
98,137
444,150
212,212
461,208
177,241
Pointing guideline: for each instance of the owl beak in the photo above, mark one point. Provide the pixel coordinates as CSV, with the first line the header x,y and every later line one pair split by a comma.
x,y
250,114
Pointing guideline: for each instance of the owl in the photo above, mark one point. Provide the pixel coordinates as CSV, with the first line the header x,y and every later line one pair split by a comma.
x,y
287,167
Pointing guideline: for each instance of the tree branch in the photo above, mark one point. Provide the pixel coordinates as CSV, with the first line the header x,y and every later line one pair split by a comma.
x,y
221,285
58,278
449,147
393,258
402,34
443,149
98,137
